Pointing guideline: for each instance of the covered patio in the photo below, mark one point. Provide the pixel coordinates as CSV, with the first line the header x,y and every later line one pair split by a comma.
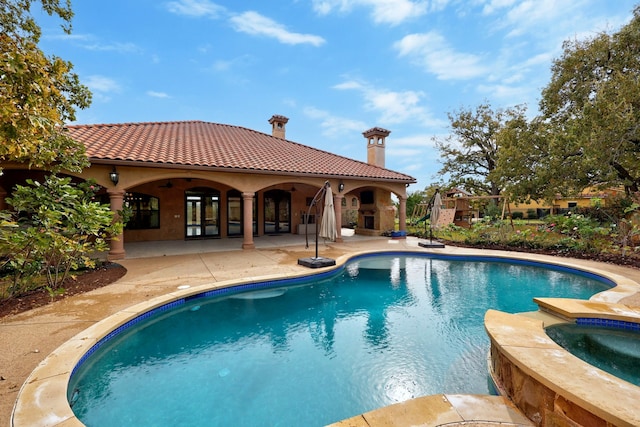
x,y
185,247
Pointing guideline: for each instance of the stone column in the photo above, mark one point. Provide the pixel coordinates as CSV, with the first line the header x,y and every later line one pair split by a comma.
x,y
247,221
402,213
116,251
337,207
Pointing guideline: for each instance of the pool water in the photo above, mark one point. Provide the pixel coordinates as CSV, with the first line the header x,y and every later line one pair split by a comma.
x,y
383,330
613,350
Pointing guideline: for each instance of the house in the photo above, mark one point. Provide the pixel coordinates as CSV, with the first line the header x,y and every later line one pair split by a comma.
x,y
469,208
200,180
563,204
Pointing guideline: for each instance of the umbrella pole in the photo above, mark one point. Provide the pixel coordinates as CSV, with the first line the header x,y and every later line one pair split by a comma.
x,y
317,229
316,262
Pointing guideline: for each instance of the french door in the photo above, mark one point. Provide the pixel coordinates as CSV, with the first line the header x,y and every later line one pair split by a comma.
x,y
202,214
277,212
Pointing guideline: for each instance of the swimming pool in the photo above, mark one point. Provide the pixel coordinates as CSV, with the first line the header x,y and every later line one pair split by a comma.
x,y
382,329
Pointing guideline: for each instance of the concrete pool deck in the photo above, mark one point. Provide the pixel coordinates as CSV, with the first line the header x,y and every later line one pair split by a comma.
x,y
157,269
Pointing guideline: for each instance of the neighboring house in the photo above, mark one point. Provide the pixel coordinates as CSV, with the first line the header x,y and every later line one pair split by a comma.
x,y
200,180
469,208
561,205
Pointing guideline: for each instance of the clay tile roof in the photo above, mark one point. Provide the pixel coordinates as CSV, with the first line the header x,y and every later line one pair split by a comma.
x,y
218,146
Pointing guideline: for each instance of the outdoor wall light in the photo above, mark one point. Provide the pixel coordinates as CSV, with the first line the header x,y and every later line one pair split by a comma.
x,y
114,176
341,186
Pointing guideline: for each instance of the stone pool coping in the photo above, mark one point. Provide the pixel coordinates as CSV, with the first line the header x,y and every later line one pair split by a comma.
x,y
42,398
550,385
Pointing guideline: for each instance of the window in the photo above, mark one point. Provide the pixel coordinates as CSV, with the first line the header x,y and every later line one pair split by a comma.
x,y
354,202
145,211
344,202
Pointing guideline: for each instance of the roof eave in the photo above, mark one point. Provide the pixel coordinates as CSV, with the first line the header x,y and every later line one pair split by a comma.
x,y
117,162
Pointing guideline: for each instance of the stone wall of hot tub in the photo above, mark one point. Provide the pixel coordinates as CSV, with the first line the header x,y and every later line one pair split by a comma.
x,y
551,386
543,406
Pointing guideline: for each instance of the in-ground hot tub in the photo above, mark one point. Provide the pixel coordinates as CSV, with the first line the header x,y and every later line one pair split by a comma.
x,y
611,346
551,385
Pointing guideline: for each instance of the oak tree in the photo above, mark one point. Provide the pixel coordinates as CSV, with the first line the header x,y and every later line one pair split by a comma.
x,y
592,108
470,153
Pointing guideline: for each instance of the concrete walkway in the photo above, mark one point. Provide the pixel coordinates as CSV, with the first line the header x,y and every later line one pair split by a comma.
x,y
159,268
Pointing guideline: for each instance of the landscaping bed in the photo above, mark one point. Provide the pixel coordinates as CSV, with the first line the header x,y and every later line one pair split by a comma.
x,y
83,282
632,260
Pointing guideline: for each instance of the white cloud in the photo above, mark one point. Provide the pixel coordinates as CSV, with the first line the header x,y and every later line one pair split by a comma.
x,y
101,87
349,84
393,107
222,65
90,42
333,126
248,22
494,5
154,94
529,15
413,167
255,24
432,52
113,47
71,37
196,8
419,140
101,84
511,95
553,20
395,12
242,61
391,12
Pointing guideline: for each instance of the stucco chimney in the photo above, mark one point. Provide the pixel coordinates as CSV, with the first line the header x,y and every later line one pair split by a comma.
x,y
278,125
375,145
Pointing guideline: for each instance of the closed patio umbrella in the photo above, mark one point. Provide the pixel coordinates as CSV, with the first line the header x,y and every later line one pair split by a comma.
x,y
328,224
435,209
435,214
326,230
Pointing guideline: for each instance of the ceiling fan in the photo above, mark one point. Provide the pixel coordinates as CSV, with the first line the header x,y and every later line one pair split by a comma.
x,y
167,185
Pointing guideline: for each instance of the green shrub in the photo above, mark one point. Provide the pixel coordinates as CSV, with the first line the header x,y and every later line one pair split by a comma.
x,y
55,228
492,211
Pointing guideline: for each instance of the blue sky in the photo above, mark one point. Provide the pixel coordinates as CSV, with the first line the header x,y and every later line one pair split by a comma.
x,y
334,67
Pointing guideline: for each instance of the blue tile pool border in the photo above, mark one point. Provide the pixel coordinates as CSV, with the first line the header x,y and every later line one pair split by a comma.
x,y
608,323
102,341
